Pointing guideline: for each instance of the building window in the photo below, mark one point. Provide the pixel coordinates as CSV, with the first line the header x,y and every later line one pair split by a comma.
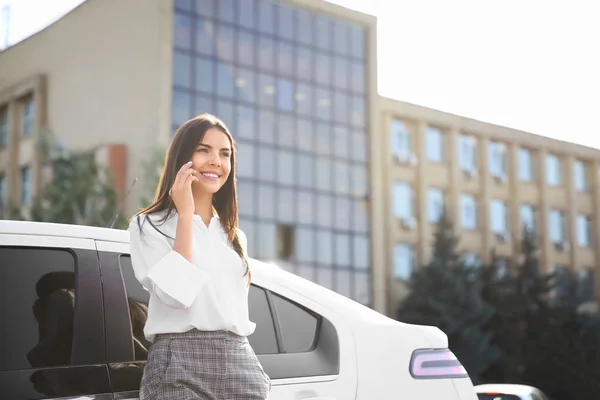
x,y
553,170
528,218
401,140
403,200
25,185
468,211
435,204
580,176
3,126
286,240
557,226
3,196
584,230
526,165
499,216
467,153
404,261
498,160
28,115
435,145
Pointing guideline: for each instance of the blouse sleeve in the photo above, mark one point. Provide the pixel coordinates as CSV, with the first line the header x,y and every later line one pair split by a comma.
x,y
162,270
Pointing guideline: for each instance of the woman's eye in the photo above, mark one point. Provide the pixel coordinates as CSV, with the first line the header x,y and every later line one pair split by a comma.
x,y
203,149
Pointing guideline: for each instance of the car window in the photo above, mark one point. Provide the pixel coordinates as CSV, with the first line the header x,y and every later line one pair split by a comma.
x,y
37,305
137,299
263,340
298,326
497,396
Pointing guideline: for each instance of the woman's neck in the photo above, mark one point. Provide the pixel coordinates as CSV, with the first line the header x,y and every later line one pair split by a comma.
x,y
203,206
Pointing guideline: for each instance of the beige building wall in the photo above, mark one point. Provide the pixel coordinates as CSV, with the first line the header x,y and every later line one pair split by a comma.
x,y
423,174
101,74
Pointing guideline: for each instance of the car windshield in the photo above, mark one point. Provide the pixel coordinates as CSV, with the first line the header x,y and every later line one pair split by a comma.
x,y
497,396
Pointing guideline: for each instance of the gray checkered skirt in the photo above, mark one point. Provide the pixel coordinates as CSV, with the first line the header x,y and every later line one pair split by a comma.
x,y
202,365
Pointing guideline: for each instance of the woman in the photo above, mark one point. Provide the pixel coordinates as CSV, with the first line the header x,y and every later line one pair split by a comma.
x,y
187,251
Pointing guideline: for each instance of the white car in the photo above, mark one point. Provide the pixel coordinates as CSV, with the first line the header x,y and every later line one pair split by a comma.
x,y
73,316
505,391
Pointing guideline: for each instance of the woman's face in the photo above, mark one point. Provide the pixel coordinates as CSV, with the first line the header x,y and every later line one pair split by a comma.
x,y
212,159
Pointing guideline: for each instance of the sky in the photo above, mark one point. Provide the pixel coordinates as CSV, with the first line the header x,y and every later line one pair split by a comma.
x,y
531,65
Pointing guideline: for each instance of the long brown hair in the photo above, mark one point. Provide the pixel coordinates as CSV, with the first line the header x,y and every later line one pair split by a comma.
x,y
225,201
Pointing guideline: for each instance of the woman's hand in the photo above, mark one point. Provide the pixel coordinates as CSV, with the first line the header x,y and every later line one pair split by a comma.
x,y
181,191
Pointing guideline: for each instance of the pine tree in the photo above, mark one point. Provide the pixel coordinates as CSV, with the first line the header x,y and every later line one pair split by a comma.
x,y
445,293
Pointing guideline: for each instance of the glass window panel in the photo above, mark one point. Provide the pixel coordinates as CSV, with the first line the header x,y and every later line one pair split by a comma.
x,y
305,21
435,204
245,14
324,139
183,70
266,126
246,160
306,176
248,226
359,146
580,176
266,53
204,80
246,49
304,99
323,69
360,214
342,177
227,10
528,217
246,86
358,77
286,205
286,61
182,105
304,134
267,246
266,202
526,165
225,43
183,31
324,210
305,245
325,277
306,207
403,200
304,64
323,27
340,110
342,283
357,41
404,261
342,72
285,167
362,288
341,37
207,8
497,159
266,16
205,33
584,234
360,248
285,95
266,84
246,195
266,162
287,131
468,211
343,209
306,271
357,111
324,172
186,5
325,247
554,170
359,180
246,122
226,113
286,22
204,104
225,80
323,104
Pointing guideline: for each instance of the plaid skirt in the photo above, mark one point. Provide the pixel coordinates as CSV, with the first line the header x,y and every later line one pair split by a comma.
x,y
202,365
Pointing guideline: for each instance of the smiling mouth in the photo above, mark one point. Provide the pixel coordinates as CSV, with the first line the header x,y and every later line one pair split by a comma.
x,y
210,176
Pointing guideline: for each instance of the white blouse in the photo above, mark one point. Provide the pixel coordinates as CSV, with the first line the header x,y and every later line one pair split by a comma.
x,y
209,294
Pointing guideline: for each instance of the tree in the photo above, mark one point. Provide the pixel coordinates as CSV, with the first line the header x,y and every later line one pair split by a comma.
x,y
76,189
447,294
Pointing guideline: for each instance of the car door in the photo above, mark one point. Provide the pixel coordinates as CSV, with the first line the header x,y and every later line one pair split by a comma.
x,y
52,328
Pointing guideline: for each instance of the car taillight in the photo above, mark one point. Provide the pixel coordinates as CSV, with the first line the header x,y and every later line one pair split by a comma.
x,y
436,364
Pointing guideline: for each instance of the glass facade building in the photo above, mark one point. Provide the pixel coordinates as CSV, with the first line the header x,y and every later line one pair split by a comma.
x,y
291,85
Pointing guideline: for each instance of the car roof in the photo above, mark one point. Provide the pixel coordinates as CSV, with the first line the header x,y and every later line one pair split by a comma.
x,y
261,270
506,388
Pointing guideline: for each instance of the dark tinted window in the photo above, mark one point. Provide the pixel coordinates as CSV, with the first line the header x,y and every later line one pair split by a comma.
x,y
298,326
263,340
500,396
37,305
137,299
